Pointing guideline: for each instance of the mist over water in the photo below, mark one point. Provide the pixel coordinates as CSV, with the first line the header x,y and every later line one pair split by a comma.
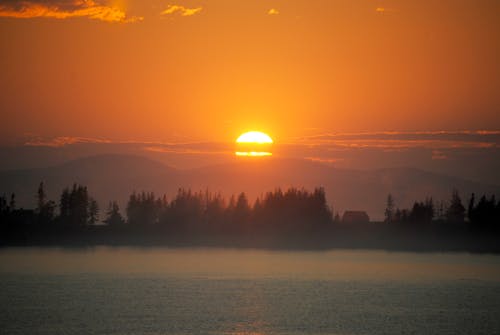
x,y
230,291
217,263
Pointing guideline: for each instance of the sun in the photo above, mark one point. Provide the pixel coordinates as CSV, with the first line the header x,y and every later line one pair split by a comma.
x,y
253,144
254,137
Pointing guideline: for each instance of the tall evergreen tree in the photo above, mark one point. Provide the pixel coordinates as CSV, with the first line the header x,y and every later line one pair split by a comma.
x,y
93,211
389,209
456,210
41,198
113,216
12,203
64,205
74,206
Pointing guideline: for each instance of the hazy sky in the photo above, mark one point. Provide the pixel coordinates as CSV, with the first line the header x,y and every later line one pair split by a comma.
x,y
208,70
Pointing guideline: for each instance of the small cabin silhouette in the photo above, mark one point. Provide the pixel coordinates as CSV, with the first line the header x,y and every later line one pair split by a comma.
x,y
355,217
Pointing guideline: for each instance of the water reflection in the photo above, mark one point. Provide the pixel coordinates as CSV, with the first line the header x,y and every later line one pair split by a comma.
x,y
249,292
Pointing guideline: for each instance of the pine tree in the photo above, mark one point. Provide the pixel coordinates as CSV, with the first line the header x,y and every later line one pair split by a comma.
x,y
456,210
113,216
93,211
41,198
389,209
470,210
12,203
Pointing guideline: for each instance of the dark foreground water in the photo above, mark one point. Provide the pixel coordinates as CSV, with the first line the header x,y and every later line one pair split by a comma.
x,y
216,291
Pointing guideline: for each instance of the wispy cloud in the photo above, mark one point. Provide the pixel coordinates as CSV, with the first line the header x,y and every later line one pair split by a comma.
x,y
186,151
63,9
174,147
324,160
273,11
62,141
183,11
406,140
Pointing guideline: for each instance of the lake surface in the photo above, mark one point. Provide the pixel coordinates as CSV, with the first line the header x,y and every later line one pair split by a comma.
x,y
225,291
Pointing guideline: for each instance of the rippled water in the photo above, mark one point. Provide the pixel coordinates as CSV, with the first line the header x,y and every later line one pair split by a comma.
x,y
215,291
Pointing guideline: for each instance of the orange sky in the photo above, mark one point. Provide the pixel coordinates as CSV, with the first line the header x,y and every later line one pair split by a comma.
x,y
209,70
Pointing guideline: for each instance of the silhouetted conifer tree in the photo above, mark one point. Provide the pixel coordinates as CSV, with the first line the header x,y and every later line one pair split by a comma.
x,y
242,211
470,208
74,206
12,203
422,212
389,209
45,209
64,205
456,211
142,209
41,198
3,204
93,211
113,216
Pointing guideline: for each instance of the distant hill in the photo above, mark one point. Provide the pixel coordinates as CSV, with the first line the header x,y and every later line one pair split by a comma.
x,y
346,189
108,177
114,177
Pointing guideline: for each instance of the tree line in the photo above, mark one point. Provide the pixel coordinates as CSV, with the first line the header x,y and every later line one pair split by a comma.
x,y
292,211
479,215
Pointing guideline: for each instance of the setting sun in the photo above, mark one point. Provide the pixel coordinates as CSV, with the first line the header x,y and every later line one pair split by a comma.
x,y
253,144
254,137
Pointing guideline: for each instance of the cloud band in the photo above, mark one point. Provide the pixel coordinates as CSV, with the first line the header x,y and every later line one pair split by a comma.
x,y
64,10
